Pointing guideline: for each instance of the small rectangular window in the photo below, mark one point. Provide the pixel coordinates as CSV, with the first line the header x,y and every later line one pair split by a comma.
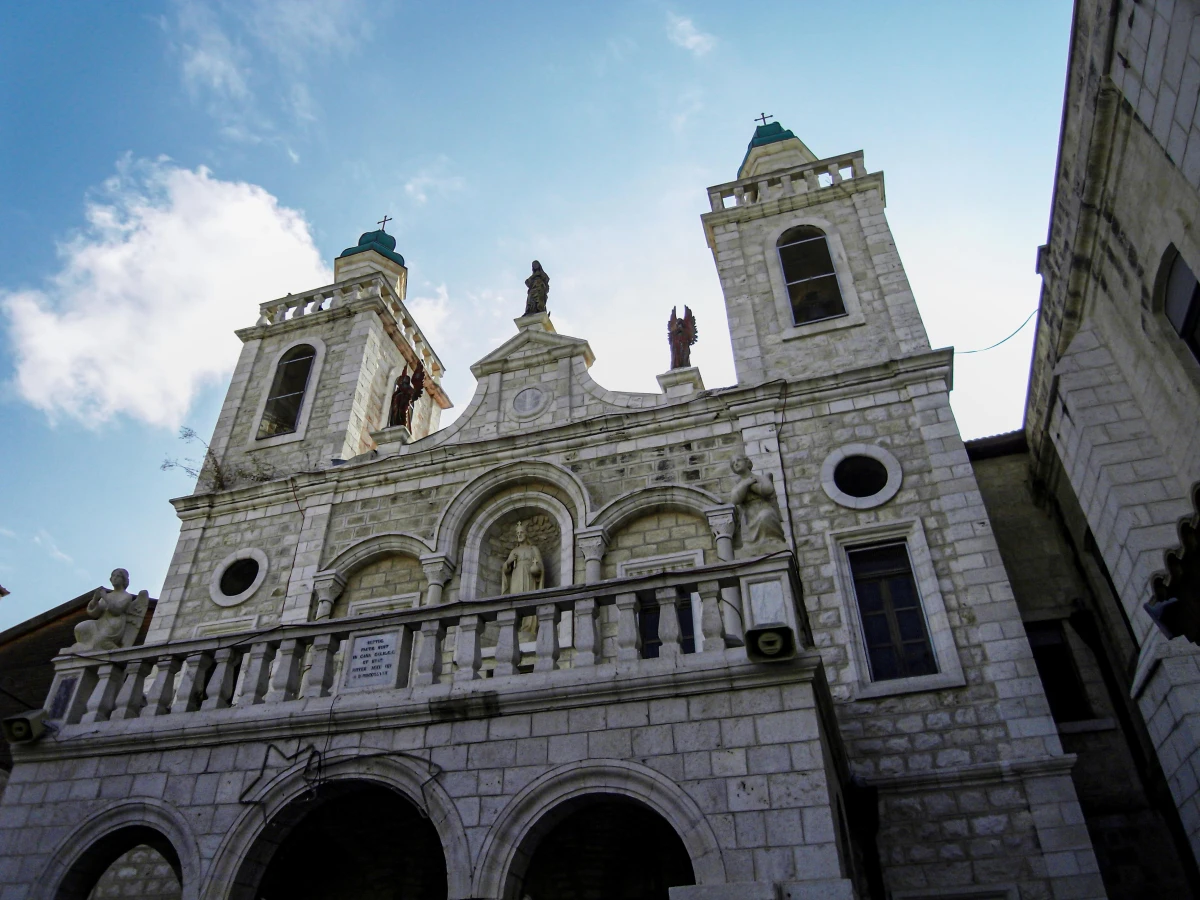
x,y
1056,668
889,607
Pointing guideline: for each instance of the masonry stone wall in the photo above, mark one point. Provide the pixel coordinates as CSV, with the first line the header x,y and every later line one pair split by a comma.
x,y
391,576
658,535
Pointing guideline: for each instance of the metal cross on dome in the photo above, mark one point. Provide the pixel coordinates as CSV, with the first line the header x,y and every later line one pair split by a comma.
x,y
762,117
383,223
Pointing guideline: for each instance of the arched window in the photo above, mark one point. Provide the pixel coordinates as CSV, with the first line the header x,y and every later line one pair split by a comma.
x,y
282,412
808,273
1182,304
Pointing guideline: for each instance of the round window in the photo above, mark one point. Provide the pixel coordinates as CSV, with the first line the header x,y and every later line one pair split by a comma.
x,y
860,476
238,577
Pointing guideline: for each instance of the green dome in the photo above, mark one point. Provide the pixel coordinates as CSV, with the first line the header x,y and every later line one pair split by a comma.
x,y
379,241
766,134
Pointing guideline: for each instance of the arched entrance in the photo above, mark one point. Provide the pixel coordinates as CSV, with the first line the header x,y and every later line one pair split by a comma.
x,y
352,840
602,847
132,861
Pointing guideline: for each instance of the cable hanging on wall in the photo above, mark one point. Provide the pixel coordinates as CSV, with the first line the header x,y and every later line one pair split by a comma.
x,y
998,343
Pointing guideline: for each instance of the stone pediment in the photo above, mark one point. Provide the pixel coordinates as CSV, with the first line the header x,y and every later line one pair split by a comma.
x,y
532,346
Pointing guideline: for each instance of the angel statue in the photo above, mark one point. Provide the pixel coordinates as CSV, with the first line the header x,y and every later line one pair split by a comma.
x,y
116,616
538,289
407,392
682,333
758,509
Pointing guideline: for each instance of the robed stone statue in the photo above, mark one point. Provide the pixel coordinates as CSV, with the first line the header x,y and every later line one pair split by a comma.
x,y
523,570
758,509
116,616
407,392
537,286
682,333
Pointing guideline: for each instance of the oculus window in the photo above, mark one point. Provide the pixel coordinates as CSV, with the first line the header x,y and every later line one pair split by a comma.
x,y
282,412
1182,304
889,606
809,276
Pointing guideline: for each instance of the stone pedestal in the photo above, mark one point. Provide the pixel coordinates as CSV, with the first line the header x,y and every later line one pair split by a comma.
x,y
681,382
390,440
536,322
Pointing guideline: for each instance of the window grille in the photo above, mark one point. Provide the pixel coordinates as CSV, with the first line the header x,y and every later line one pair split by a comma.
x,y
889,606
809,275
281,415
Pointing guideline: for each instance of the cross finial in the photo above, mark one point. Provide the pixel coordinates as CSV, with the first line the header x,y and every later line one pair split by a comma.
x,y
383,223
762,117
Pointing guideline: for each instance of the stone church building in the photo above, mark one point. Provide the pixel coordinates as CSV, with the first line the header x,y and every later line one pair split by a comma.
x,y
787,639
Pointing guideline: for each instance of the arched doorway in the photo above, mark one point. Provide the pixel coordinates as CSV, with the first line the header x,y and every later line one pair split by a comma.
x,y
602,847
351,840
134,861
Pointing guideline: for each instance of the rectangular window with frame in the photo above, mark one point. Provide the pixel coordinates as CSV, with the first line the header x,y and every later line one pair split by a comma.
x,y
889,607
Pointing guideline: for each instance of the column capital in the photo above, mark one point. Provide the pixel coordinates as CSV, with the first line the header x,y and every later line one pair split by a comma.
x,y
439,568
593,542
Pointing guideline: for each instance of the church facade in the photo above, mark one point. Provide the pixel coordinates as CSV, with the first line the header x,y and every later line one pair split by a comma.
x,y
752,641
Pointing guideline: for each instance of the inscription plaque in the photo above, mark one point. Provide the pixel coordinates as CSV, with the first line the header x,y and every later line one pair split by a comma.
x,y
373,661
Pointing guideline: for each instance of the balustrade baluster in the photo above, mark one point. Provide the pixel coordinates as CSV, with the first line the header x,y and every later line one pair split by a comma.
x,y
429,656
320,673
466,649
668,622
132,696
108,682
286,679
190,691
223,680
810,179
158,698
858,166
258,671
629,636
547,638
508,650
710,626
585,633
835,173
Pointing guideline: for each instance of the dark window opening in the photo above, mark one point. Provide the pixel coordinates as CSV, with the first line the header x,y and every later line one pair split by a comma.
x,y
809,275
892,619
281,415
1182,304
860,476
1056,667
238,577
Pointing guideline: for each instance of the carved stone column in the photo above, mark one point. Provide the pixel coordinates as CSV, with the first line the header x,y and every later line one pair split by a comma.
x,y
594,543
723,521
328,586
438,570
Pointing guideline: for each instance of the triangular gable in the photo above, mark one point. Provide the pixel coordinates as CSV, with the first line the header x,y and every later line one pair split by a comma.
x,y
530,346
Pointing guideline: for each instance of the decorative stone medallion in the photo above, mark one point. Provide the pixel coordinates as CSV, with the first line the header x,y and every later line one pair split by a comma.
x,y
529,402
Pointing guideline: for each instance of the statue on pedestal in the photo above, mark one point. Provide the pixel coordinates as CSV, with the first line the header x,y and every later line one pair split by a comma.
x,y
538,289
523,570
682,333
758,510
116,616
407,392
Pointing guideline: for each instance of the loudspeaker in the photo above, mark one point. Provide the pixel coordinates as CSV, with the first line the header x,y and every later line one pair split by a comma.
x,y
770,643
24,728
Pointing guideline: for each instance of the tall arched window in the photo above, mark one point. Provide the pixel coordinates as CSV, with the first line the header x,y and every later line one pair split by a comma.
x,y
282,411
809,275
1182,304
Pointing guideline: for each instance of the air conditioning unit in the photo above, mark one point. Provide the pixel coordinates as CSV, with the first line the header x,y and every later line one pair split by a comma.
x,y
24,728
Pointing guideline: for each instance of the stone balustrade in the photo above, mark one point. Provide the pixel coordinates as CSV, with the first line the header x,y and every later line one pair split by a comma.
x,y
787,182
654,617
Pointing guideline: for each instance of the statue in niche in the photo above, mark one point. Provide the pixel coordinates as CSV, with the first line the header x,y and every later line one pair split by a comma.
x,y
538,289
681,334
523,570
407,392
758,510
116,616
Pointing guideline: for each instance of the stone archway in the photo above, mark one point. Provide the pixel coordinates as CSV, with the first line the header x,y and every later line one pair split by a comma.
x,y
167,858
601,846
349,840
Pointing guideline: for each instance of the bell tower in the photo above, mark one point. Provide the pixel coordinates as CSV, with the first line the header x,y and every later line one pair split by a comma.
x,y
812,281
317,371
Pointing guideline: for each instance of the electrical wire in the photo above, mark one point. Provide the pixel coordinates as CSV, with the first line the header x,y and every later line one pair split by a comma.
x,y
998,343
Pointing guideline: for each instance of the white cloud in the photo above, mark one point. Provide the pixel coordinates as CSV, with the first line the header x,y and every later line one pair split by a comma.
x,y
43,540
682,32
210,61
433,315
8,533
140,316
433,179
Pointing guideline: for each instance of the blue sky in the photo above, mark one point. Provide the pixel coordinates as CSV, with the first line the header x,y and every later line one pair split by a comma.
x,y
165,167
